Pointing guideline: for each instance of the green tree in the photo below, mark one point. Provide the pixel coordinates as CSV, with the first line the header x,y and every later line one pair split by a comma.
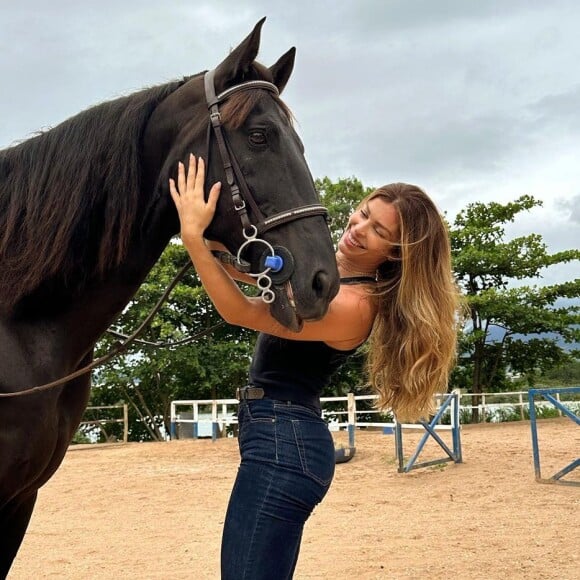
x,y
149,378
533,320
564,375
340,198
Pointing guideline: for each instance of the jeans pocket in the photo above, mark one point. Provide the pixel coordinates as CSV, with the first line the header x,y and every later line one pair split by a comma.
x,y
316,450
261,411
256,435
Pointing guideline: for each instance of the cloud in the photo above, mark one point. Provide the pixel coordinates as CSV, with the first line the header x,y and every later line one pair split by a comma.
x,y
572,206
475,101
559,112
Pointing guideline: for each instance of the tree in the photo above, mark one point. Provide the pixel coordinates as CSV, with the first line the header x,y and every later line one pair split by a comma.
x,y
340,198
534,320
565,375
149,378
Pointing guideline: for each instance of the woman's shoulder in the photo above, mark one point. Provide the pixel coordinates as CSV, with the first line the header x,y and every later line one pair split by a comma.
x,y
353,308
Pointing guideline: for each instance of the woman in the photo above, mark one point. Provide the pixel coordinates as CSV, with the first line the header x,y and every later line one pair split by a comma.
x,y
396,290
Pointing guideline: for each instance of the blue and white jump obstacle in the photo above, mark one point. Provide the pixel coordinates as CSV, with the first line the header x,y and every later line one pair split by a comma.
x,y
221,417
447,401
451,401
548,395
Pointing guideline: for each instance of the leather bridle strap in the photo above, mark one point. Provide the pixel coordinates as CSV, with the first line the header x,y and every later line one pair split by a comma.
x,y
239,199
238,187
290,215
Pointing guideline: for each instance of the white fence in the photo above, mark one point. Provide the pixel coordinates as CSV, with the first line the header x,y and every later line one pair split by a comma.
x,y
491,405
217,417
99,422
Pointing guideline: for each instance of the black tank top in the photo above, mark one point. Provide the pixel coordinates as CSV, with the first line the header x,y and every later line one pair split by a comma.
x,y
296,370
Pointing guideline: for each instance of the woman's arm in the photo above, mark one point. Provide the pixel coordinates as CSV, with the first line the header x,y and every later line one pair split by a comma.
x,y
350,314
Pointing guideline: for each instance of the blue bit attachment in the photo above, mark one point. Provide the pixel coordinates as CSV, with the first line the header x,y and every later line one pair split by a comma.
x,y
275,263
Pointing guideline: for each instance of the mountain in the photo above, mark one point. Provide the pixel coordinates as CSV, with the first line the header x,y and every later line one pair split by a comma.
x,y
496,333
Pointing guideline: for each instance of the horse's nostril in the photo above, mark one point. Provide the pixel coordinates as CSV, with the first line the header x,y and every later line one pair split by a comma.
x,y
321,284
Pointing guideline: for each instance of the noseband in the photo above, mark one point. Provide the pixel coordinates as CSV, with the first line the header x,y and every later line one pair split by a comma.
x,y
277,261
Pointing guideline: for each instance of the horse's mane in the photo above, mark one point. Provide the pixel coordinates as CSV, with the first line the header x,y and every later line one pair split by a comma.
x,y
69,196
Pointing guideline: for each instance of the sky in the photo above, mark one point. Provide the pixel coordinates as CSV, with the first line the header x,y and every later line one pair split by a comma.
x,y
472,100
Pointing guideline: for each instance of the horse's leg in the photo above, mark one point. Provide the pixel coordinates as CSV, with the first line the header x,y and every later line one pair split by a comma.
x,y
14,518
29,457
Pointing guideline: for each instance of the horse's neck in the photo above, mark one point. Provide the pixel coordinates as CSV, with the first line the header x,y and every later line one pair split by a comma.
x,y
93,312
80,321
98,307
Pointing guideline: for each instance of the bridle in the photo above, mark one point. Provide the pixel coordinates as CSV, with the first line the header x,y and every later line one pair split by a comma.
x,y
277,260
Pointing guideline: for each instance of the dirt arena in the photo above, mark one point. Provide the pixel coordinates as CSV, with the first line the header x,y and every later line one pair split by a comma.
x,y
156,510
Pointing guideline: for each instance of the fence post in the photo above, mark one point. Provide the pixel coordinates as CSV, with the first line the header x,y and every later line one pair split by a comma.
x,y
214,423
456,425
195,420
351,408
125,423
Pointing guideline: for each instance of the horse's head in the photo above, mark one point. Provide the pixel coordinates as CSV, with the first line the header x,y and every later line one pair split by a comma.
x,y
267,180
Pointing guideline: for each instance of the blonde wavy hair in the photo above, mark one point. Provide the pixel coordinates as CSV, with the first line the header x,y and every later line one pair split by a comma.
x,y
412,346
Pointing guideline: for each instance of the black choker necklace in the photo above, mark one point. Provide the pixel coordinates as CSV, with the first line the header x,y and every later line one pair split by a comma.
x,y
357,279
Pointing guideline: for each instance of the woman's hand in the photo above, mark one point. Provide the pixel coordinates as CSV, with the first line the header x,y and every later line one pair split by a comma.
x,y
195,214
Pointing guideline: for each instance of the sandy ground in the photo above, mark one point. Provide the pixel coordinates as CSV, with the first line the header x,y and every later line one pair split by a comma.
x,y
156,510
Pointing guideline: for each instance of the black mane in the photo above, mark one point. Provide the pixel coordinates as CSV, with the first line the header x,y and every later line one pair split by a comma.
x,y
69,196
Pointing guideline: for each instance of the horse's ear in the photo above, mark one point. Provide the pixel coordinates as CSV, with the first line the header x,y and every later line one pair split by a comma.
x,y
282,70
234,68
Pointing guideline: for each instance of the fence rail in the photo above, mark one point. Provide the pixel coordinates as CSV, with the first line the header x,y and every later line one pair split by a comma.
x,y
98,422
212,417
490,403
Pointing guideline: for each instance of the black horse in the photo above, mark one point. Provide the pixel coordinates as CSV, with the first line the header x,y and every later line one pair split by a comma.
x,y
85,213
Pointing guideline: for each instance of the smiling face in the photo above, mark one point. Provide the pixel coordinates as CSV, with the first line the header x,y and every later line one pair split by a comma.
x,y
369,236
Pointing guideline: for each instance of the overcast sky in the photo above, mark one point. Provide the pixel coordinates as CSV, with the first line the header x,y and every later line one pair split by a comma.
x,y
472,100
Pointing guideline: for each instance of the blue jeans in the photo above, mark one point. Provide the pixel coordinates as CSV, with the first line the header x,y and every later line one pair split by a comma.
x,y
287,465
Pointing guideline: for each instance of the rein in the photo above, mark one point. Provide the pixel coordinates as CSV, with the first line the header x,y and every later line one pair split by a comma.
x,y
171,344
121,347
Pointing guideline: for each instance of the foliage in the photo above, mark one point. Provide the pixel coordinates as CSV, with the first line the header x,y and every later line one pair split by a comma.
x,y
549,411
566,374
148,378
341,199
534,320
80,439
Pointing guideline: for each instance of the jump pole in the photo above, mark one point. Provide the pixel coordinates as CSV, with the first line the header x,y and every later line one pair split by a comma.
x,y
452,401
548,395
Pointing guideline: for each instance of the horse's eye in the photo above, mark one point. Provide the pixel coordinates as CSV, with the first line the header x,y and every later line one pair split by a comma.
x,y
257,138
